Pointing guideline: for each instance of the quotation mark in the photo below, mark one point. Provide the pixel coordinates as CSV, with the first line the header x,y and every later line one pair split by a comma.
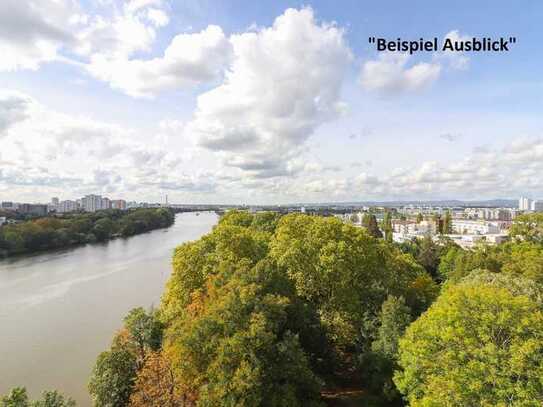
x,y
371,40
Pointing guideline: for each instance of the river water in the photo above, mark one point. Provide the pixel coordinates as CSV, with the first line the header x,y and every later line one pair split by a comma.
x,y
59,310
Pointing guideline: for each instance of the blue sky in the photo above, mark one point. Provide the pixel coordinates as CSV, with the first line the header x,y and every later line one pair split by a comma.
x,y
267,102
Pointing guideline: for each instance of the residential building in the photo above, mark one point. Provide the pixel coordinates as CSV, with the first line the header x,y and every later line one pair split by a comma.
x,y
118,204
3,220
91,203
474,227
105,204
9,206
67,206
537,205
525,204
33,209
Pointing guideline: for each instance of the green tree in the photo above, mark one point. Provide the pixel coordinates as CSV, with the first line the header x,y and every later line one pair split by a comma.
x,y
420,218
234,346
528,227
18,397
145,330
447,224
394,318
370,223
54,399
113,377
478,345
387,226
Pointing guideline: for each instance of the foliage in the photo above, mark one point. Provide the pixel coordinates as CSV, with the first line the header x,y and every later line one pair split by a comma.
x,y
113,377
18,397
71,229
114,374
478,344
523,258
267,309
157,386
234,346
387,227
145,330
528,227
345,272
369,222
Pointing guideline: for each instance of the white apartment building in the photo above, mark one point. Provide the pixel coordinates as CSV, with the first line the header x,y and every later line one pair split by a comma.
x,y
525,204
3,220
91,203
474,227
67,206
403,230
503,214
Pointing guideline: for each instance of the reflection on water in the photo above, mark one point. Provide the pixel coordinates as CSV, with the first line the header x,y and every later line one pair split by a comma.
x,y
59,310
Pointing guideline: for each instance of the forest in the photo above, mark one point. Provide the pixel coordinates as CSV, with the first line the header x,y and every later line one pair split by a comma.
x,y
55,232
298,310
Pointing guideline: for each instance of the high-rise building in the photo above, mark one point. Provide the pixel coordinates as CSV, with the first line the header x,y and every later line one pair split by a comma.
x,y
33,209
525,204
537,205
67,206
91,203
118,204
54,201
105,203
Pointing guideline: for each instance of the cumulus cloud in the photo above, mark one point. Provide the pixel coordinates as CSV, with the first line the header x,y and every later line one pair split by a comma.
x,y
32,32
47,148
390,73
14,107
189,60
284,81
393,72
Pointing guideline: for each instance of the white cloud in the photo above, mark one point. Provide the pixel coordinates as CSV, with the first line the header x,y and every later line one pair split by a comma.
x,y
390,74
61,153
14,108
455,60
190,59
284,82
32,32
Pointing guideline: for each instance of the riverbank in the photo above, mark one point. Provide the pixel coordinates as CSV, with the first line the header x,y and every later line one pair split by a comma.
x,y
53,233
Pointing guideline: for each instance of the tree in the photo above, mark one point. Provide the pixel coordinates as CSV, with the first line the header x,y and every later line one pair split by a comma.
x,y
428,255
157,385
344,272
53,399
18,397
387,226
233,346
113,377
145,331
479,344
370,223
420,218
447,224
394,318
528,227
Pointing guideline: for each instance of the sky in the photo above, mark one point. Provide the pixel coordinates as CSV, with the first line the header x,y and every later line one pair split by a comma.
x,y
267,102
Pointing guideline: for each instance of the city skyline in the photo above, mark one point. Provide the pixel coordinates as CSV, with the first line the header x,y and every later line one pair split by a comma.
x,y
277,102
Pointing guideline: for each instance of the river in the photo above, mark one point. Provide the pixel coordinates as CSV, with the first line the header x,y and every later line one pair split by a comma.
x,y
59,310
